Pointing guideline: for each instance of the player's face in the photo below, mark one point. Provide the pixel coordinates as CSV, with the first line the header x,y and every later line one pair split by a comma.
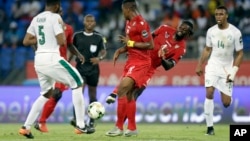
x,y
125,12
220,16
182,31
89,23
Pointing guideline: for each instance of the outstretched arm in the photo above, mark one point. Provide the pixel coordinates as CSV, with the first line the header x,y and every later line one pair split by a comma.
x,y
140,45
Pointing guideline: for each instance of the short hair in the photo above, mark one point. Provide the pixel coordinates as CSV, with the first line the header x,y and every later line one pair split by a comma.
x,y
52,2
190,25
223,8
126,1
131,4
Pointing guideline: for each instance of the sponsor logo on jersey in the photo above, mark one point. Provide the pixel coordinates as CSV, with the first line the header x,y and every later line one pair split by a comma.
x,y
144,33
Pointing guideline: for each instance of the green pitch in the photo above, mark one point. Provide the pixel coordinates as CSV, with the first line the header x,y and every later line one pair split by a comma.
x,y
147,132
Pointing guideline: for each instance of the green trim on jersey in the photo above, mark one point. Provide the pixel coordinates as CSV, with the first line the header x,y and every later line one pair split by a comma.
x,y
71,72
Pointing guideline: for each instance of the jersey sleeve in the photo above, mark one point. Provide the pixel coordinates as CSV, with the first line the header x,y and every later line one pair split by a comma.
x,y
70,34
31,29
238,41
57,24
178,55
158,30
208,38
103,43
74,39
144,30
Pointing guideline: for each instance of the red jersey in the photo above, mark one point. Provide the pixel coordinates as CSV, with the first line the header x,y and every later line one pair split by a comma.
x,y
69,40
164,37
138,30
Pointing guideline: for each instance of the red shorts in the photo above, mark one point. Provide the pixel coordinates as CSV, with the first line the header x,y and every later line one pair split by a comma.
x,y
146,78
136,72
61,86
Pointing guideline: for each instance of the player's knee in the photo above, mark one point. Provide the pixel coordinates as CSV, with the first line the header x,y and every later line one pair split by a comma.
x,y
57,94
226,104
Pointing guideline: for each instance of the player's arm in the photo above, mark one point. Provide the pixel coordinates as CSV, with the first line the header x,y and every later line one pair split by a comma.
x,y
29,40
103,51
204,56
168,63
238,57
58,27
118,52
134,44
74,51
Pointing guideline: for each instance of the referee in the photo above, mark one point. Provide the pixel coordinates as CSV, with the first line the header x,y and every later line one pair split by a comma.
x,y
91,45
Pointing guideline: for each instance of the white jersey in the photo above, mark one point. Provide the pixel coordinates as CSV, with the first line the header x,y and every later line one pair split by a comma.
x,y
223,44
45,26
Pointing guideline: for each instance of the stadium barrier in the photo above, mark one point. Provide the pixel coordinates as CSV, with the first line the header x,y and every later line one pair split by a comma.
x,y
181,75
156,105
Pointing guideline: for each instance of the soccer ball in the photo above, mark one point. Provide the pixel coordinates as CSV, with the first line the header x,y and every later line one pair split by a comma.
x,y
96,110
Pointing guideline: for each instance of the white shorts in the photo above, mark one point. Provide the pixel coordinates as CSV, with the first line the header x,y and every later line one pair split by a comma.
x,y
51,68
219,83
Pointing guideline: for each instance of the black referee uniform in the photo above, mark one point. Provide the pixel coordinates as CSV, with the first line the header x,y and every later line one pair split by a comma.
x,y
89,45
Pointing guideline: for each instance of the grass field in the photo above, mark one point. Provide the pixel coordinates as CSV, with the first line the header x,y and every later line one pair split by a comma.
x,y
147,132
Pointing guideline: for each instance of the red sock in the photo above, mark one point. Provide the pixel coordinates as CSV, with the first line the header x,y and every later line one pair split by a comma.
x,y
131,111
121,112
115,90
48,108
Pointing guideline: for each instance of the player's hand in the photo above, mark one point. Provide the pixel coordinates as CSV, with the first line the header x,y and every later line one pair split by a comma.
x,y
123,39
232,73
81,58
228,79
162,51
116,56
94,60
199,70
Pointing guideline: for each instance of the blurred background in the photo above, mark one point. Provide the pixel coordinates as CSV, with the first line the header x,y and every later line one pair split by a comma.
x,y
15,16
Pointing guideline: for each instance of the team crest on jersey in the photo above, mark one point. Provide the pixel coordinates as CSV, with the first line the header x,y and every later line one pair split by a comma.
x,y
144,33
93,48
229,37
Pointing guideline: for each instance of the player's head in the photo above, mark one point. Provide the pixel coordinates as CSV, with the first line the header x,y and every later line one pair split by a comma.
x,y
185,30
221,15
60,12
89,22
53,5
128,7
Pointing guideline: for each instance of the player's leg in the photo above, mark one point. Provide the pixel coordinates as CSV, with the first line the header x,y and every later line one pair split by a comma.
x,y
210,84
92,98
124,88
46,84
70,76
73,121
112,97
92,82
141,81
208,109
49,107
226,91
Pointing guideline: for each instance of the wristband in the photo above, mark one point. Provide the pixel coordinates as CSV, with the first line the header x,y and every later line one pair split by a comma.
x,y
233,72
130,43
